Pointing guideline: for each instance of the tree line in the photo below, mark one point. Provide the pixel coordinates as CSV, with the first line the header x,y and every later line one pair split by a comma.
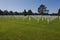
x,y
5,12
41,11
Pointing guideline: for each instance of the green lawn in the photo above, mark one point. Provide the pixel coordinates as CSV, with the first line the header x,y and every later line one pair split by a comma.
x,y
12,28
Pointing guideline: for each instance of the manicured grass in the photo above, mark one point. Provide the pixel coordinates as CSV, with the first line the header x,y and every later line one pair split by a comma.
x,y
12,28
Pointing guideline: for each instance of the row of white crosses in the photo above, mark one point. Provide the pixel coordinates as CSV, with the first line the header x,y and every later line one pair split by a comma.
x,y
48,18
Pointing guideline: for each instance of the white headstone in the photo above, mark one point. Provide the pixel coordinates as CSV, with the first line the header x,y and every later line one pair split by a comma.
x,y
29,18
42,18
48,20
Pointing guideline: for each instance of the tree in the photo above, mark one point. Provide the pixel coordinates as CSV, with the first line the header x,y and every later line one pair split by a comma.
x,y
25,13
42,9
11,13
1,12
16,13
30,12
5,12
59,12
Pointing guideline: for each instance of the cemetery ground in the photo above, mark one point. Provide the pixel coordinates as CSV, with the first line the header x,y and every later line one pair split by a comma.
x,y
18,28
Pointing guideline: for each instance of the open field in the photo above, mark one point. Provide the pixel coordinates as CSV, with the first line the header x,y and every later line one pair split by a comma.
x,y
22,28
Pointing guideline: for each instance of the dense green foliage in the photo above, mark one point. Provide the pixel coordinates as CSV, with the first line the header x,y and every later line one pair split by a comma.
x,y
16,28
42,10
59,12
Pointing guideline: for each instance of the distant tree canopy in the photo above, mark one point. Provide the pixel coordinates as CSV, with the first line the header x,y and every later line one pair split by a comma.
x,y
24,12
11,13
41,11
5,12
30,12
59,12
1,12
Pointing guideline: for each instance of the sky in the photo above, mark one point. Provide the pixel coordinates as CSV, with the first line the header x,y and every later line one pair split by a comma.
x,y
20,5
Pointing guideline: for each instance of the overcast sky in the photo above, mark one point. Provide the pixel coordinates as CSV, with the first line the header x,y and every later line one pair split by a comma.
x,y
20,5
